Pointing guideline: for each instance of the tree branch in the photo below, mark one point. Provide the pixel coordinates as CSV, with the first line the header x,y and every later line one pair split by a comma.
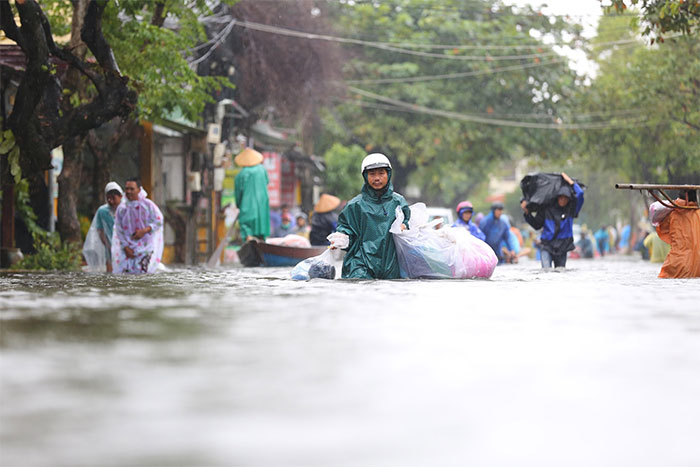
x,y
7,23
158,17
91,33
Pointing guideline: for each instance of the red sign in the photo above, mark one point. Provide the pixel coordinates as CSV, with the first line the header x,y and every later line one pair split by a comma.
x,y
288,182
282,184
273,165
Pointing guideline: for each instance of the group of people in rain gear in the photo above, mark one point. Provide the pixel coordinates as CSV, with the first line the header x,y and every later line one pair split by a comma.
x,y
126,235
362,227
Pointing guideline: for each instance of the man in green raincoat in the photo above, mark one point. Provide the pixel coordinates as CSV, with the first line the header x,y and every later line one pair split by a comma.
x,y
366,220
251,196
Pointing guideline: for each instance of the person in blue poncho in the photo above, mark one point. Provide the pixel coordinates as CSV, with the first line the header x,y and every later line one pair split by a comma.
x,y
465,210
556,219
497,232
364,223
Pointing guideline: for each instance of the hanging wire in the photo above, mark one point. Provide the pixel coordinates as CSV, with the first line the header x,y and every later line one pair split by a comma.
x,y
501,122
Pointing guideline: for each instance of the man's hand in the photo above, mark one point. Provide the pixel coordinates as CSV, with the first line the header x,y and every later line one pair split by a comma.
x,y
338,240
523,204
567,178
403,227
129,252
140,233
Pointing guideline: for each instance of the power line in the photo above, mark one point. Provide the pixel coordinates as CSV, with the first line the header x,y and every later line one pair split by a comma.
x,y
221,37
383,45
392,107
414,79
498,122
464,74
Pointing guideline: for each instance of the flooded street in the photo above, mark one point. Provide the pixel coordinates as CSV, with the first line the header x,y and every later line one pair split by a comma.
x,y
596,365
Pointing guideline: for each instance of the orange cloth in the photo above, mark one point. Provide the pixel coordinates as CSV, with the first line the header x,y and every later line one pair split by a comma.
x,y
681,230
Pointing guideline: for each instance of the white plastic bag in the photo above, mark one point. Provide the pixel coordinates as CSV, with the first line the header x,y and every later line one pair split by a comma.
x,y
339,240
451,252
327,265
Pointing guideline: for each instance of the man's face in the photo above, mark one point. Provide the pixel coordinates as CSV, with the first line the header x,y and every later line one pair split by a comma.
x,y
466,215
377,178
562,200
113,199
497,213
132,191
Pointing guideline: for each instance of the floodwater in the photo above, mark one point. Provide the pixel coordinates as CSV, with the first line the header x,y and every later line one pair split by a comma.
x,y
598,365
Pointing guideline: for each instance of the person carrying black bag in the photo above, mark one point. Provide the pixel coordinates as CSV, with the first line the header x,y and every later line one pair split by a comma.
x,y
556,218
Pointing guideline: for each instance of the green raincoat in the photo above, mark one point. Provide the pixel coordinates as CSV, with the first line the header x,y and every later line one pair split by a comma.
x,y
252,200
366,219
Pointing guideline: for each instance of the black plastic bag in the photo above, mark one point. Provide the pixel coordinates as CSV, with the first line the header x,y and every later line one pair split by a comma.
x,y
540,189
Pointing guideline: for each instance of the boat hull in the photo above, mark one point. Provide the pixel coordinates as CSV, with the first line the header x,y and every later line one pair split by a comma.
x,y
254,254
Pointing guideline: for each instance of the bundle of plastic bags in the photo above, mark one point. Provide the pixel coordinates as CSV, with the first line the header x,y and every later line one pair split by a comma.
x,y
448,253
327,265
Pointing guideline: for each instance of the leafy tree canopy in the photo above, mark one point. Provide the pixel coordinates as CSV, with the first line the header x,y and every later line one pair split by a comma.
x,y
663,16
472,63
659,82
153,43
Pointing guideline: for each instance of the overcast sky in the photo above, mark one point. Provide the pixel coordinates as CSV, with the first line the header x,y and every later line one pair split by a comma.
x,y
585,12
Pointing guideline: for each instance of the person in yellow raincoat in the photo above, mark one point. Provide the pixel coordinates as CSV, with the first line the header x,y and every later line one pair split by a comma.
x,y
681,230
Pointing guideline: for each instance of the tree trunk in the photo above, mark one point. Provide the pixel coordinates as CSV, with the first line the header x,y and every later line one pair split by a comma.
x,y
68,185
101,170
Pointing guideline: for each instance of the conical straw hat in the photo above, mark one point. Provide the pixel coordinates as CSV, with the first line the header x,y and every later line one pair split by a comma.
x,y
326,203
248,158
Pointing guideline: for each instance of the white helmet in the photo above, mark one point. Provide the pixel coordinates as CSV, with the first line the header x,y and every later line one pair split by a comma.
x,y
375,160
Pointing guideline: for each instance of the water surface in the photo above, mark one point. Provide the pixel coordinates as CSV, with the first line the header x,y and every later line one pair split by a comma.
x,y
596,365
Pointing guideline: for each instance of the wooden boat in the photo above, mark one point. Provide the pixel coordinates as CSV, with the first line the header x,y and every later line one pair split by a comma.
x,y
255,253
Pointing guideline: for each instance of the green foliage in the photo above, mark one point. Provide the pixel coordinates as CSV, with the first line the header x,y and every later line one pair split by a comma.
x,y
51,255
343,164
659,83
9,147
23,207
448,158
663,16
155,58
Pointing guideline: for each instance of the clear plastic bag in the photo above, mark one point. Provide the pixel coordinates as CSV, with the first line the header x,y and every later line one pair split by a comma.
x,y
658,212
448,253
327,265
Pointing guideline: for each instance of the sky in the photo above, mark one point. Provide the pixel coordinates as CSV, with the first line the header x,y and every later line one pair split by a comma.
x,y
585,12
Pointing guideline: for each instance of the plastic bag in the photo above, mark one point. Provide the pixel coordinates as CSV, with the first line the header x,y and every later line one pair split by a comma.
x,y
541,188
338,240
658,212
475,258
327,265
451,252
293,240
94,251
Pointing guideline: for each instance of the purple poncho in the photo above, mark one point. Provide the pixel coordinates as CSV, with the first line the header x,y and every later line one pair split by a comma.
x,y
148,250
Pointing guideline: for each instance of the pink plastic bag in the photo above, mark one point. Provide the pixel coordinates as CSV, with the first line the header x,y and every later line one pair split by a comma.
x,y
658,212
448,253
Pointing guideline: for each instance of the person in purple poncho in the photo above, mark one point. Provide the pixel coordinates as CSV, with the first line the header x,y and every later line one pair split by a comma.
x,y
137,241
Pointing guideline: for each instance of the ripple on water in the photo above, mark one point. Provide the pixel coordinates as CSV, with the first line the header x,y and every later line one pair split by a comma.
x,y
245,366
